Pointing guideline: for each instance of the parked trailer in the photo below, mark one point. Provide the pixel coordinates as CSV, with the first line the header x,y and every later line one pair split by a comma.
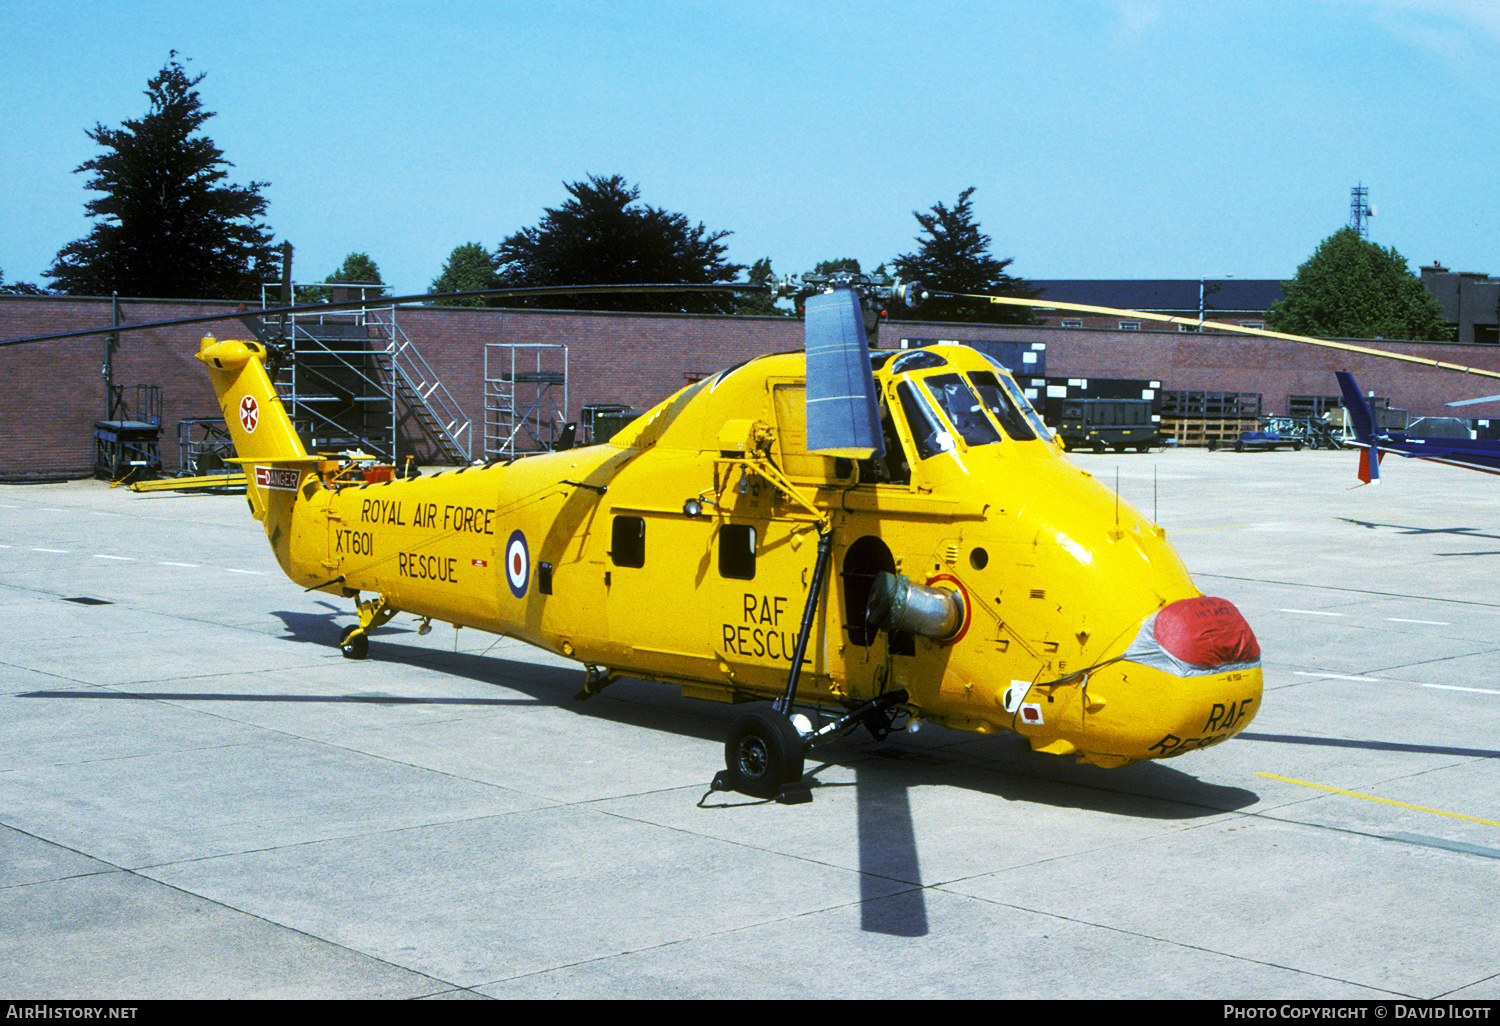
x,y
1099,413
1101,424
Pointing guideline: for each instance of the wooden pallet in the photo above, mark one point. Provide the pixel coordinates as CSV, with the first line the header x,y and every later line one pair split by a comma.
x,y
1205,431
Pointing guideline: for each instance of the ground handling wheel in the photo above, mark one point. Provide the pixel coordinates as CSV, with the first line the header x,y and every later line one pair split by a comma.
x,y
354,642
763,754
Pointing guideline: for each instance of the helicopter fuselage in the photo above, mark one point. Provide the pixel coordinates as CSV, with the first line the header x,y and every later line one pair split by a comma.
x,y
683,551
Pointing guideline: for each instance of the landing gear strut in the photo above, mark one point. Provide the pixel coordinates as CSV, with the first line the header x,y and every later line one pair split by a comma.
x,y
354,641
765,753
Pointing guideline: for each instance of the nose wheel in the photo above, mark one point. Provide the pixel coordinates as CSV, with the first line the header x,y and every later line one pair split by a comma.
x,y
354,643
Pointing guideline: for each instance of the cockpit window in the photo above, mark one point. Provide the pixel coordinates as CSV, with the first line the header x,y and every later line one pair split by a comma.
x,y
962,408
1008,403
927,429
916,359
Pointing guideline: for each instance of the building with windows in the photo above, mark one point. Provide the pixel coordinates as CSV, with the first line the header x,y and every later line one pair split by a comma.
x,y
1470,302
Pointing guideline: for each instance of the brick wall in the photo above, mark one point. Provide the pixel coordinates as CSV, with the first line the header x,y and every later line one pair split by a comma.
x,y
54,391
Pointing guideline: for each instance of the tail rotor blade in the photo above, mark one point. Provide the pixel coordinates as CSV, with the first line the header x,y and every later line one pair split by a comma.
x,y
1360,417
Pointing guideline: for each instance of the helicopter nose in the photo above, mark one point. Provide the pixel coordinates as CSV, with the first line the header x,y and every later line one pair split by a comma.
x,y
1190,678
1196,636
1208,678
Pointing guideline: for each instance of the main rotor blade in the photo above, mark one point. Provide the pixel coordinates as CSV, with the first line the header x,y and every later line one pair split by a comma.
x,y
384,301
1051,304
1471,402
843,417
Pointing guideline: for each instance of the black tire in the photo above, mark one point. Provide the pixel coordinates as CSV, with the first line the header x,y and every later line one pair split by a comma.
x,y
763,754
1296,447
354,642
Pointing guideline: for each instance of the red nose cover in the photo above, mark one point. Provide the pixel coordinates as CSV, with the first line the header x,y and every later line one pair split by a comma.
x,y
1206,632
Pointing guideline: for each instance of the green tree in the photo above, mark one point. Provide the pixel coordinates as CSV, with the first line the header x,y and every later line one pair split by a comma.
x,y
167,224
757,304
470,267
841,264
20,288
357,267
604,235
955,257
1354,288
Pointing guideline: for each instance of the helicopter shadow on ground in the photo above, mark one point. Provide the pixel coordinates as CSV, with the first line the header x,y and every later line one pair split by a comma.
x,y
316,628
1002,766
885,770
1373,746
885,774
1451,532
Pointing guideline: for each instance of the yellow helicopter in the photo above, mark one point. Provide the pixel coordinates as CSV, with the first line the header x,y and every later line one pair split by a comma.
x,y
866,535
872,537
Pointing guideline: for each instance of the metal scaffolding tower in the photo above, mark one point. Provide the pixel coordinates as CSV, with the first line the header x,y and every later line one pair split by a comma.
x,y
348,371
519,415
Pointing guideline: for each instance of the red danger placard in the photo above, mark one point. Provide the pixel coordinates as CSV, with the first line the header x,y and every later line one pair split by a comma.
x,y
279,478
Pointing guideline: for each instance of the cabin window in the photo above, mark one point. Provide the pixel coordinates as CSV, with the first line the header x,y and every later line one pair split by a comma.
x,y
927,430
962,408
737,552
628,542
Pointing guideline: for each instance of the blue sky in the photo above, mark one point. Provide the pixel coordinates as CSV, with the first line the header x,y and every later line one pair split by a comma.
x,y
1105,138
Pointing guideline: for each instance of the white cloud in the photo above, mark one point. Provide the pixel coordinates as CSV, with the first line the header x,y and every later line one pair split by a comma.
x,y
1134,19
1462,33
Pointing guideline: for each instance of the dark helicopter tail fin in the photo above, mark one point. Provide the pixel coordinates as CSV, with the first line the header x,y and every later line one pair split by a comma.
x,y
1362,420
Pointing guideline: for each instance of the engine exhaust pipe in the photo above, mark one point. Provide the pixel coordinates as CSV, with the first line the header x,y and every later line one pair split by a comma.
x,y
896,604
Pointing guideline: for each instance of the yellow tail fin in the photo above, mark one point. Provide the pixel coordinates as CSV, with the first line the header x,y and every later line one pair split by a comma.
x,y
257,421
265,442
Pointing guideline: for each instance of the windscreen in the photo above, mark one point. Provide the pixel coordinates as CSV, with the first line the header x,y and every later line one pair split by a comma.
x,y
963,408
1003,398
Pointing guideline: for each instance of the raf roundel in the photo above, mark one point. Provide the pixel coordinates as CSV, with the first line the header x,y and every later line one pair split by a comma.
x,y
517,564
249,413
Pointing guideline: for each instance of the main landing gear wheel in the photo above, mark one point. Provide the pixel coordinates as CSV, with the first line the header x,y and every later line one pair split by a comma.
x,y
764,754
354,642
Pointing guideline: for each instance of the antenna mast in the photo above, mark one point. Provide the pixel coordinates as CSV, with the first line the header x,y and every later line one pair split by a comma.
x,y
1360,211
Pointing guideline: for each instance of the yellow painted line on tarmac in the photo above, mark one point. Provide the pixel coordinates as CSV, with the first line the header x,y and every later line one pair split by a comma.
x,y
1383,801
